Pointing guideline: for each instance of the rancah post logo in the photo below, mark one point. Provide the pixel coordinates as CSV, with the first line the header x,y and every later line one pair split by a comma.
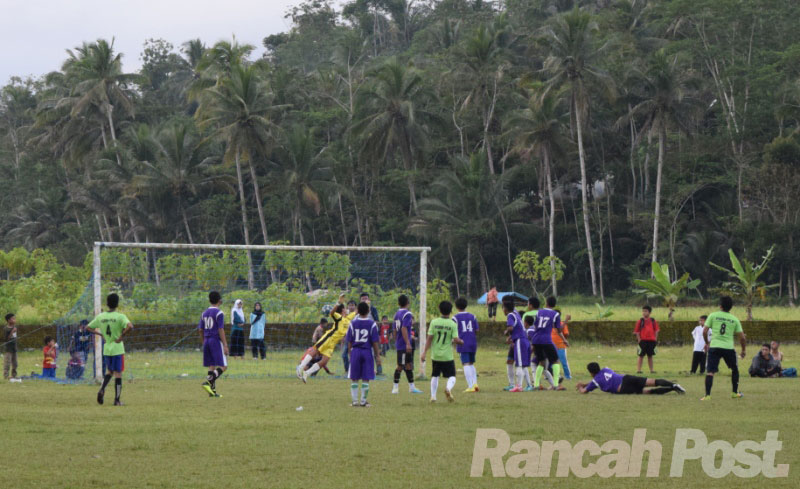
x,y
619,458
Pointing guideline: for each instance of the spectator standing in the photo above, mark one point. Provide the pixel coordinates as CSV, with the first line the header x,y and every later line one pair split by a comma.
x,y
699,353
257,322
82,341
373,311
491,302
237,329
10,339
319,330
646,332
561,346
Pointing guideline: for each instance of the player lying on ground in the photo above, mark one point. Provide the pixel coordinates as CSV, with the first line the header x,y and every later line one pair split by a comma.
x,y
443,332
112,326
613,383
327,344
215,346
362,342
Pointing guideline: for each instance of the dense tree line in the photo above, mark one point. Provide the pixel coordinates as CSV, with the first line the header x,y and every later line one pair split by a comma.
x,y
607,133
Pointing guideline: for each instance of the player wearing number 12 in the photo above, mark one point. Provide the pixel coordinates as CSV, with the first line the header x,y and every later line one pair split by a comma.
x,y
442,333
467,328
112,326
362,341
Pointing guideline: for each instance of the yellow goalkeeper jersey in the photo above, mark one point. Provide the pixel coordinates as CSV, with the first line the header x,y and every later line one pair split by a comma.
x,y
335,333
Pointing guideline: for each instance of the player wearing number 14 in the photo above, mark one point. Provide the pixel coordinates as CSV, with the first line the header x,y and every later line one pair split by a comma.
x,y
442,333
467,329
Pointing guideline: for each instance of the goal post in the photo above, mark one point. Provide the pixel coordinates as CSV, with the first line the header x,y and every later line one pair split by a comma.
x,y
293,281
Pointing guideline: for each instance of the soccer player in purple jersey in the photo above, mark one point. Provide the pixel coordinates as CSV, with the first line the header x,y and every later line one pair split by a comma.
x,y
530,331
362,341
215,346
467,328
518,339
542,341
613,383
403,325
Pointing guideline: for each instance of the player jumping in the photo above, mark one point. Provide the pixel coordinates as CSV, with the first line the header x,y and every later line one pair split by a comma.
x,y
327,344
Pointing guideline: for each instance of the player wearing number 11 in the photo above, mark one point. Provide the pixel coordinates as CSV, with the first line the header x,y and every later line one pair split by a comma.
x,y
442,333
112,326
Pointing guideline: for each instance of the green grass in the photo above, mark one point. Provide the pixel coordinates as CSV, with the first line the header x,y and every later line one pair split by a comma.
x,y
170,434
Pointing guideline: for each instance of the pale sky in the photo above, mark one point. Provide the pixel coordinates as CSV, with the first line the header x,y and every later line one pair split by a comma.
x,y
34,34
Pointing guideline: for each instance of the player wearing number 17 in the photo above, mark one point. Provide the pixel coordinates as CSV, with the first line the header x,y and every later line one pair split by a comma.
x,y
442,333
112,326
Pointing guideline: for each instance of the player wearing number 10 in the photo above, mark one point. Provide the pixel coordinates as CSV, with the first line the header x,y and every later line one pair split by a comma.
x,y
442,333
215,346
112,325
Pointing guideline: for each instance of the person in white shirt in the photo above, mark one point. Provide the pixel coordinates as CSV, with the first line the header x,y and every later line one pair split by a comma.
x,y
699,355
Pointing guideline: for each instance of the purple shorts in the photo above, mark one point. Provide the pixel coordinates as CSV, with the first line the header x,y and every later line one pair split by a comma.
x,y
522,353
114,363
362,365
214,354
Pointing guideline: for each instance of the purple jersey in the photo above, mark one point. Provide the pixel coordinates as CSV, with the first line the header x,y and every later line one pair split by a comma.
x,y
546,320
362,333
467,329
211,322
514,321
403,318
607,380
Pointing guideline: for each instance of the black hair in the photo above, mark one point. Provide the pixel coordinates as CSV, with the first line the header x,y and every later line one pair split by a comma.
x,y
726,303
323,321
508,302
533,301
384,317
363,308
402,301
647,308
593,368
766,345
338,308
445,307
214,297
529,320
351,302
703,317
47,339
364,294
112,301
551,302
259,306
461,303
9,316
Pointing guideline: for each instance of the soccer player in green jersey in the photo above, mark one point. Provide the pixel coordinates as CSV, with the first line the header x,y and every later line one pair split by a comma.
x,y
112,326
724,327
442,333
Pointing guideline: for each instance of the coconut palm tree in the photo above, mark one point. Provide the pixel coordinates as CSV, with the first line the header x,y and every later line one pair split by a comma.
x,y
571,63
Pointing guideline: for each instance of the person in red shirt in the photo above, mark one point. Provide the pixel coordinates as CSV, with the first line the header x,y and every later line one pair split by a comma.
x,y
49,362
646,332
384,331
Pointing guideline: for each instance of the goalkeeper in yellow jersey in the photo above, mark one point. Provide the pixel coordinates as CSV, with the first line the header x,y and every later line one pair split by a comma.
x,y
326,345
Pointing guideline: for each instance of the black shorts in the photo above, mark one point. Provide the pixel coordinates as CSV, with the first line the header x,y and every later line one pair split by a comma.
x,y
404,358
546,352
714,356
647,348
631,384
445,369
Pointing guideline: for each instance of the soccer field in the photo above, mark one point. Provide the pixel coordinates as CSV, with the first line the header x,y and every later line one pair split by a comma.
x,y
170,434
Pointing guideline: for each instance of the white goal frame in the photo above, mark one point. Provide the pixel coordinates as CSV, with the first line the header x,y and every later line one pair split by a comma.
x,y
97,277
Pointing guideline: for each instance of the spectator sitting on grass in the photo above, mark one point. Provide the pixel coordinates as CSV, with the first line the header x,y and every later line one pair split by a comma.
x,y
764,365
75,366
776,353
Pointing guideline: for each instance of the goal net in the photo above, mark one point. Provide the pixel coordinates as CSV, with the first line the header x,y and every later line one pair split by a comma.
x,y
164,288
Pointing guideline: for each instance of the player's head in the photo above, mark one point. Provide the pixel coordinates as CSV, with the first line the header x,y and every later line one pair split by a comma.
x,y
402,301
461,304
765,350
646,310
593,368
726,303
11,318
112,301
508,304
364,297
702,319
214,298
323,322
363,309
385,319
338,309
48,340
533,303
351,306
445,308
529,320
551,302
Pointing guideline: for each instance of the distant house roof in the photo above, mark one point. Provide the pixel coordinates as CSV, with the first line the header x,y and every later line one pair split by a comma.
x,y
517,297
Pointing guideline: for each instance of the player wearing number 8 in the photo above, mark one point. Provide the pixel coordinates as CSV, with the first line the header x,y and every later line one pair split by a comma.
x,y
442,333
112,326
724,327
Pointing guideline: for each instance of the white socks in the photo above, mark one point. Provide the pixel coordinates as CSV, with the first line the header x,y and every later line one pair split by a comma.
x,y
305,361
313,369
451,382
549,377
510,372
527,373
471,375
354,391
520,376
434,387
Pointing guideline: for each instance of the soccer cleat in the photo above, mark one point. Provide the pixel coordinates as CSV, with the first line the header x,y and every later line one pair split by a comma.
x,y
736,395
395,389
449,396
516,389
100,395
508,388
470,389
118,403
304,378
433,400
476,388
528,389
559,388
207,387
705,398
678,388
366,404
415,391
217,395
355,404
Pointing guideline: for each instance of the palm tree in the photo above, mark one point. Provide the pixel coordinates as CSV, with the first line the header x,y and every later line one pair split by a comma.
x,y
666,103
391,118
238,110
570,38
538,130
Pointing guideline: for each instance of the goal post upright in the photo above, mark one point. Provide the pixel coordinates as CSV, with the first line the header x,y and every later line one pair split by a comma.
x,y
423,304
98,305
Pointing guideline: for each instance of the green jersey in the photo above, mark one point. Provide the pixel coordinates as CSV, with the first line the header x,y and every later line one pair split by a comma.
x,y
723,326
110,325
443,331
